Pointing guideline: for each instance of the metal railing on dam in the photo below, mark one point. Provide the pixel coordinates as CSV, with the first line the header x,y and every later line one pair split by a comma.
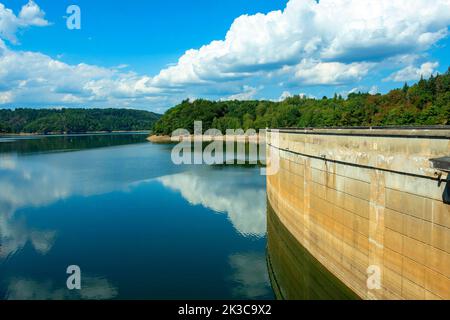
x,y
371,205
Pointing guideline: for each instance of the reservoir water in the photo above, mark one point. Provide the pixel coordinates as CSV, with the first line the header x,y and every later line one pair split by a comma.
x,y
138,226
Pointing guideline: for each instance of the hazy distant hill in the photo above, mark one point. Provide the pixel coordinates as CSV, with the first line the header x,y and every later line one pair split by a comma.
x,y
75,120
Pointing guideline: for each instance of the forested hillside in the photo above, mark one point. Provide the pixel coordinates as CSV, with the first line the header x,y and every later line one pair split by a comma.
x,y
75,120
425,103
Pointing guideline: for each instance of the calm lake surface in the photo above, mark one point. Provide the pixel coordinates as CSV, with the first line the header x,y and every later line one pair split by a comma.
x,y
138,226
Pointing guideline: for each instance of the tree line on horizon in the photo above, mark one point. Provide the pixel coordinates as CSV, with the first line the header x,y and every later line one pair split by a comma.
x,y
46,121
424,103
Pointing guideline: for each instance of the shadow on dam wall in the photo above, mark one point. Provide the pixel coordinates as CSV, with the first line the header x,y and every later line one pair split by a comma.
x,y
294,273
360,202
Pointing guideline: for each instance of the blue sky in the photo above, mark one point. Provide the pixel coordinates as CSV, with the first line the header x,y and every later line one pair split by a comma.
x,y
146,35
127,52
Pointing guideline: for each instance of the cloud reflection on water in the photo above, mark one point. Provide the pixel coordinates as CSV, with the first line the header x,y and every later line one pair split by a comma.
x,y
235,193
250,275
40,180
43,179
93,288
23,187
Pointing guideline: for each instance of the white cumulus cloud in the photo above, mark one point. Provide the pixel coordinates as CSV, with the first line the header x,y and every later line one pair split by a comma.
x,y
308,43
30,15
24,76
331,73
414,73
339,35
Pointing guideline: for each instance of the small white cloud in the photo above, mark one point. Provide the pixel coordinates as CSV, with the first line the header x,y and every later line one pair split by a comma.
x,y
6,97
374,90
248,93
411,73
285,95
121,66
30,15
346,93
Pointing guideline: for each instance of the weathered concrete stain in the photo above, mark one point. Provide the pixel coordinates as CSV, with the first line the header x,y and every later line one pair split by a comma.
x,y
361,198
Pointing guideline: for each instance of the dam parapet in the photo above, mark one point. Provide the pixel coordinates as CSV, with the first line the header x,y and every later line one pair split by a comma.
x,y
368,204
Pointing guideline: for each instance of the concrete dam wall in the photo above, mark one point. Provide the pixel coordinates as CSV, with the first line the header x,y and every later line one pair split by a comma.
x,y
368,205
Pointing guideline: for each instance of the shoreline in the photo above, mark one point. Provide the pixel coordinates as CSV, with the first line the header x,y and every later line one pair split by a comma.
x,y
204,138
24,134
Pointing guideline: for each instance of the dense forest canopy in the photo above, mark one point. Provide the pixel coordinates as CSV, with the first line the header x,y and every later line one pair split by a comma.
x,y
425,103
75,120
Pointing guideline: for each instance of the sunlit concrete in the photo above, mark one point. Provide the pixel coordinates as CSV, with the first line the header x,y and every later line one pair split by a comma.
x,y
361,198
